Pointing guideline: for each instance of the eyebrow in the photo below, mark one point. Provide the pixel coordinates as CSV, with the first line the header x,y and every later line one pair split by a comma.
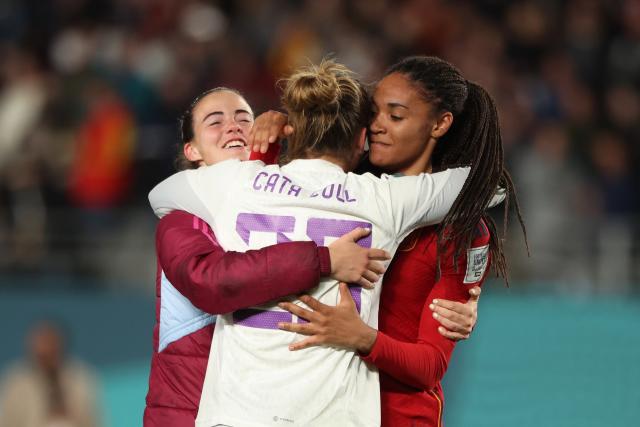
x,y
396,104
220,113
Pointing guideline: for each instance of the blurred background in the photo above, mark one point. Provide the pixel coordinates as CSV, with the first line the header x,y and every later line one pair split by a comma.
x,y
90,92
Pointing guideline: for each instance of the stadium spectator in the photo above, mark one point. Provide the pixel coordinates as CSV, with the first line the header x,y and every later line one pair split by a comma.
x,y
48,389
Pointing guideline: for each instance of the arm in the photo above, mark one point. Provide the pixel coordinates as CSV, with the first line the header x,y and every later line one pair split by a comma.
x,y
424,199
419,364
219,282
424,363
185,190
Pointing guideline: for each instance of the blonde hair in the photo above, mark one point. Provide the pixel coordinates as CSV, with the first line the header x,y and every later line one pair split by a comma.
x,y
327,107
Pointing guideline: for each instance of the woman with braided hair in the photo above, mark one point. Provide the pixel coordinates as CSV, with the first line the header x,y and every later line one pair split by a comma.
x,y
426,118
252,378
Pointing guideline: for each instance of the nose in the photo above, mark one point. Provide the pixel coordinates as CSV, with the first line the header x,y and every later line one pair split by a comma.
x,y
234,127
376,127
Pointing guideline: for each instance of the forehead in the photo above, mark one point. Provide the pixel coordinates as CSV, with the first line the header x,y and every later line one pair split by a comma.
x,y
397,88
224,101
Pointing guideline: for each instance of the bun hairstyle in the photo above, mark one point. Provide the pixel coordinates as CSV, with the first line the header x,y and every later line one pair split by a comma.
x,y
185,127
327,107
473,140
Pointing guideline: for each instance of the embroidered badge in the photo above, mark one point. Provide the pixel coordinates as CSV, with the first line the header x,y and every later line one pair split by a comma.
x,y
477,260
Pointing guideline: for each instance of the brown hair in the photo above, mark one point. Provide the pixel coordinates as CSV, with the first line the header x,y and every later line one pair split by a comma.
x,y
473,140
327,106
185,127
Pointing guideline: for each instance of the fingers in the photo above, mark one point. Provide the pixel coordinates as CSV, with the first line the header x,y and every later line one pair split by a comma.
x,y
314,304
343,288
379,255
269,137
305,343
370,276
345,295
376,267
365,283
455,336
464,321
451,320
261,142
288,130
475,293
458,307
356,234
267,129
298,328
297,310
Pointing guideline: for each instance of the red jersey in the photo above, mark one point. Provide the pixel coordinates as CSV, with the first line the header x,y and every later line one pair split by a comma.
x,y
409,351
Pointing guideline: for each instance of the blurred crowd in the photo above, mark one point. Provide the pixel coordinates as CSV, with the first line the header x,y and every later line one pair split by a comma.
x,y
90,91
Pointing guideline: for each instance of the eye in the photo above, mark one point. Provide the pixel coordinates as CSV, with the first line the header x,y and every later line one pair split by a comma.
x,y
396,118
214,123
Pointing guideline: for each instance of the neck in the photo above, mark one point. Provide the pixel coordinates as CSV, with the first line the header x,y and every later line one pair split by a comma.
x,y
423,163
337,161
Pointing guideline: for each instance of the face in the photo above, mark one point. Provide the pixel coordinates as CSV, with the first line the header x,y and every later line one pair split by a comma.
x,y
221,124
400,134
46,347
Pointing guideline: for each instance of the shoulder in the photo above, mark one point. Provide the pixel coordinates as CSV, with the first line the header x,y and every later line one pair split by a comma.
x,y
179,225
15,372
179,219
482,235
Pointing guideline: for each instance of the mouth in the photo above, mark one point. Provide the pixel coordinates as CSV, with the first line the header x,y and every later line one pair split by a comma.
x,y
378,143
235,144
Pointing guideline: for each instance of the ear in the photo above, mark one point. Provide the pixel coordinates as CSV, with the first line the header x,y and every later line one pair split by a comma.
x,y
442,125
191,152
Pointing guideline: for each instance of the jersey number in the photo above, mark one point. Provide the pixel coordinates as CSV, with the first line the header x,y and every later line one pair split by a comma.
x,y
317,230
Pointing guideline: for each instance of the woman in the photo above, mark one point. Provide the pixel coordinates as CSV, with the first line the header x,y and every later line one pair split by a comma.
x,y
196,278
251,379
427,117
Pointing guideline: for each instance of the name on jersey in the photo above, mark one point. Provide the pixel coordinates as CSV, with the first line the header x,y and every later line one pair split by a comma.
x,y
280,184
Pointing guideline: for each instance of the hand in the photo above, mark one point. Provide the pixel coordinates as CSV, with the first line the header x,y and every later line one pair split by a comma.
x,y
339,326
268,128
457,319
352,263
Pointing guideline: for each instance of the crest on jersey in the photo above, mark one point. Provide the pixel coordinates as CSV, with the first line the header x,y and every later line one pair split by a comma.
x,y
477,261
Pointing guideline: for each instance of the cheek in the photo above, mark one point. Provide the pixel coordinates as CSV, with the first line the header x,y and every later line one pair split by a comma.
x,y
411,140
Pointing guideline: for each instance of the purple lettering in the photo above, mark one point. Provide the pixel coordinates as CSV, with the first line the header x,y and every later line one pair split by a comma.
x,y
338,193
346,194
327,194
286,181
295,190
255,181
271,182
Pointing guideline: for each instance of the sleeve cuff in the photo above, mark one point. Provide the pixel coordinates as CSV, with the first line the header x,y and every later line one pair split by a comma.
x,y
375,350
325,261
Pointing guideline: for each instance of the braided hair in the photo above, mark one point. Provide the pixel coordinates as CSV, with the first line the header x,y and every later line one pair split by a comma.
x,y
473,140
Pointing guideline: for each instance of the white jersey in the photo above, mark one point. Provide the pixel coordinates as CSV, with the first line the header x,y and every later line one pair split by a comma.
x,y
252,378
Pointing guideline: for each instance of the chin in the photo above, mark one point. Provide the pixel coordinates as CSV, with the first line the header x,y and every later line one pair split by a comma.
x,y
377,159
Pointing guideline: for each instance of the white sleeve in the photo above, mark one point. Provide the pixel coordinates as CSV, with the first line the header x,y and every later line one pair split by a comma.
x,y
177,193
498,197
200,191
418,201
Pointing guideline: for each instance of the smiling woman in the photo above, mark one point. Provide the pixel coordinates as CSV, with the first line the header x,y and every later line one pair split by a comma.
x,y
214,128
